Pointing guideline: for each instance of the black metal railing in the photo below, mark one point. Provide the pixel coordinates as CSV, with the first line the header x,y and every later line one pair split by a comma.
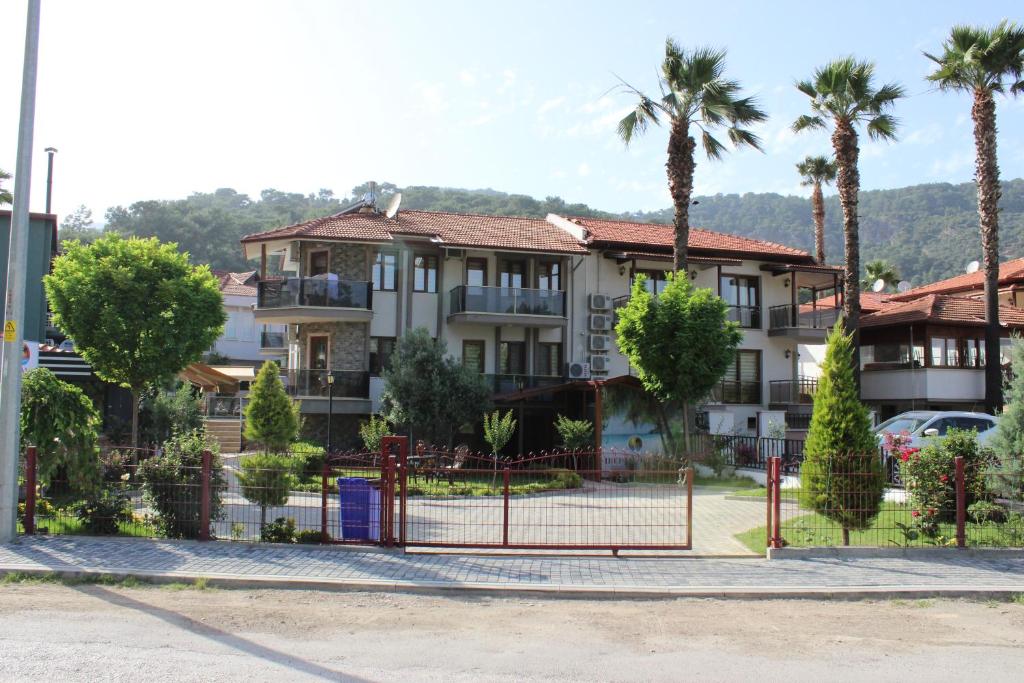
x,y
273,340
736,391
799,422
747,316
314,291
792,391
511,300
507,384
802,316
223,406
347,384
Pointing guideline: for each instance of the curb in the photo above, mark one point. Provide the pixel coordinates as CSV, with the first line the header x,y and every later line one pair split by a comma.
x,y
865,553
547,590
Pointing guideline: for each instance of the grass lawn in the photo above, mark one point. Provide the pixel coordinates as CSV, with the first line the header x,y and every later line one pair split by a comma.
x,y
71,525
477,484
761,492
733,482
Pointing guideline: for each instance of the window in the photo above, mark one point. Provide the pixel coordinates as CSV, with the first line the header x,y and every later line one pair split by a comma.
x,y
318,352
319,262
476,272
889,356
424,274
473,355
742,293
656,280
945,352
510,274
381,349
549,275
549,360
385,272
512,358
742,381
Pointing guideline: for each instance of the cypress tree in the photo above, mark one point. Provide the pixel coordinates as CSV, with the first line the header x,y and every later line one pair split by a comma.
x,y
271,417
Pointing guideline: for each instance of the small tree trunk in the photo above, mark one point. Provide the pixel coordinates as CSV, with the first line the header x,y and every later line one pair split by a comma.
x,y
844,142
263,518
686,434
846,536
494,479
680,167
135,418
818,210
986,172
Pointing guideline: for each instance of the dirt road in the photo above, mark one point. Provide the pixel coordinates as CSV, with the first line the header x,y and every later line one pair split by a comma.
x,y
94,633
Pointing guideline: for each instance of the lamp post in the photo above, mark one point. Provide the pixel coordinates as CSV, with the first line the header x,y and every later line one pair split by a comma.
x,y
50,151
330,408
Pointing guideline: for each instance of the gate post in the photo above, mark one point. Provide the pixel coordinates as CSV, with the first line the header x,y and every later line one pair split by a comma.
x,y
204,492
325,475
387,493
30,490
507,476
689,508
769,502
961,504
776,502
389,496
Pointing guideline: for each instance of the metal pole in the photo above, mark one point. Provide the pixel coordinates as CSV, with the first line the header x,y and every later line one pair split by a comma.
x,y
330,408
50,151
14,303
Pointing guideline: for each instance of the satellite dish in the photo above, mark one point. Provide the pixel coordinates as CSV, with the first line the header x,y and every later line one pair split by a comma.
x,y
973,267
902,286
878,285
393,205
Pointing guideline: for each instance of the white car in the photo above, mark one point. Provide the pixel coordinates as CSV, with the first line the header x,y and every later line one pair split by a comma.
x,y
926,424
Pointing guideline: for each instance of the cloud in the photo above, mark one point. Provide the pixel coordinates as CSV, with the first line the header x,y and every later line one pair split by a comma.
x,y
432,99
583,169
468,77
549,105
952,164
924,136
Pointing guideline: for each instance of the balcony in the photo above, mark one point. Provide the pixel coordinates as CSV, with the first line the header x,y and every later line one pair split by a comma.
x,y
507,306
792,392
313,299
273,343
749,317
508,384
802,322
880,382
351,390
736,391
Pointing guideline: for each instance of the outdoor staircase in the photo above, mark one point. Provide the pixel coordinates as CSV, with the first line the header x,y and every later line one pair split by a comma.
x,y
226,431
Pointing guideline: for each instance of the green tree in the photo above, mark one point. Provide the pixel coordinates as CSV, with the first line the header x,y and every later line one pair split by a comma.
x,y
815,172
1008,441
879,269
372,431
428,392
5,194
681,342
137,310
61,422
266,480
843,95
983,62
171,412
172,482
576,435
498,431
695,94
77,225
271,416
841,476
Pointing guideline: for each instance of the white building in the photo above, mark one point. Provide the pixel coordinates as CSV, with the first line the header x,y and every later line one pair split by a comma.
x,y
244,342
529,303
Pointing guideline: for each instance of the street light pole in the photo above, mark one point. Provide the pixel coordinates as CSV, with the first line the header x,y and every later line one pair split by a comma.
x,y
14,302
330,409
50,151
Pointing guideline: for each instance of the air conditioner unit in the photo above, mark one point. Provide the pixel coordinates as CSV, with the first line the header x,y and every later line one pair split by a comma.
x,y
600,322
454,253
600,342
579,371
599,363
600,302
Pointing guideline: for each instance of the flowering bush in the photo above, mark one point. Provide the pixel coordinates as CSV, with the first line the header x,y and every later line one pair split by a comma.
x,y
929,474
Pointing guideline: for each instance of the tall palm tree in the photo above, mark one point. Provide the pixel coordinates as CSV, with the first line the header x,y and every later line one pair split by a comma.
x,y
985,61
694,93
879,269
5,194
843,95
817,171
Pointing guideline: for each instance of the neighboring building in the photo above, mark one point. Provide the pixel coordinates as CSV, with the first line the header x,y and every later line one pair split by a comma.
x,y
526,302
1011,285
243,340
42,248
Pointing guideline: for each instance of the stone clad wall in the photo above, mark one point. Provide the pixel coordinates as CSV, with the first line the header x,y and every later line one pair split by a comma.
x,y
348,344
348,261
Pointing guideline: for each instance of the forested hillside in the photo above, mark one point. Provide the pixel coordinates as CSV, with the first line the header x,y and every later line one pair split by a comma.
x,y
927,231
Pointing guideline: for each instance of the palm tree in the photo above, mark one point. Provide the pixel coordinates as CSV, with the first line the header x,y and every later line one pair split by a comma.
x,y
879,269
843,94
5,194
983,62
693,93
817,171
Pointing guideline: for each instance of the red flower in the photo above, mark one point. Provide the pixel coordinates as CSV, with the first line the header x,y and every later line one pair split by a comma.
x,y
943,478
915,513
931,511
904,456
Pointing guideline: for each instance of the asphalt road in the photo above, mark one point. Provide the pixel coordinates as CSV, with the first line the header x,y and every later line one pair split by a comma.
x,y
99,633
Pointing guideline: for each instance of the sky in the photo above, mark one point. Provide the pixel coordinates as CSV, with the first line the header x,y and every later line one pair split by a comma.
x,y
157,100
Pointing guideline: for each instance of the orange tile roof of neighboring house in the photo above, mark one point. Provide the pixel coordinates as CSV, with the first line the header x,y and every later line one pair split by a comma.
x,y
869,302
601,231
237,284
1009,271
941,308
450,229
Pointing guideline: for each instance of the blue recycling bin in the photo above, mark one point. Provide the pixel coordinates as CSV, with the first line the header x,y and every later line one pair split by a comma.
x,y
358,510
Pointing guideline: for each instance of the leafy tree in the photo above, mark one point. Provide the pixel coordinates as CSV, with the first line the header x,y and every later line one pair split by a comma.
x,y
843,95
1008,441
137,310
77,225
983,62
266,480
498,431
271,416
372,431
61,422
172,482
5,194
428,392
815,172
841,476
879,269
171,412
576,435
695,93
681,342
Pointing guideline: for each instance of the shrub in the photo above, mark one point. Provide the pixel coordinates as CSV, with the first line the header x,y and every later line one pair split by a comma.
x,y
281,530
565,479
372,431
577,435
172,484
115,465
171,412
983,511
103,514
308,536
746,454
266,480
307,459
271,418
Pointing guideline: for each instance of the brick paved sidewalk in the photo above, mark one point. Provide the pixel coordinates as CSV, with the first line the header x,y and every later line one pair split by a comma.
x,y
243,564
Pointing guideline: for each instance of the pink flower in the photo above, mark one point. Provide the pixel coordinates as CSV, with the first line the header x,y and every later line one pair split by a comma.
x,y
915,513
904,456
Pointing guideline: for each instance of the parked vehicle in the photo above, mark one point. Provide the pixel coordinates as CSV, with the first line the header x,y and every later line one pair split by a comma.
x,y
925,424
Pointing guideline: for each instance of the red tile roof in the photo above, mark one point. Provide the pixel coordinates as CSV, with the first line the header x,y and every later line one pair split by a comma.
x,y
1009,271
450,229
237,284
869,302
941,308
613,232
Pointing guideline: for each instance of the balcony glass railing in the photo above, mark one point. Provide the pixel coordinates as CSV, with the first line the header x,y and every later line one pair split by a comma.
x,y
792,391
507,384
223,406
347,384
736,391
802,316
747,316
273,340
314,291
510,300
